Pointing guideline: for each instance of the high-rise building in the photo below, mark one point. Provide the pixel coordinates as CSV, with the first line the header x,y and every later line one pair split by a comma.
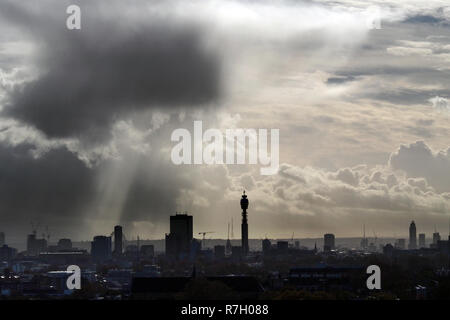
x,y
444,246
7,253
2,239
178,241
228,245
35,246
266,246
118,241
421,240
64,245
436,238
400,244
328,242
244,227
412,236
101,248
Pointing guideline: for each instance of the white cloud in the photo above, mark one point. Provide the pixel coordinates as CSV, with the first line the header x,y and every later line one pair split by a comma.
x,y
440,104
418,160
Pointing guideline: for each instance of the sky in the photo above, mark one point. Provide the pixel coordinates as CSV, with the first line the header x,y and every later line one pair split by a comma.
x,y
86,116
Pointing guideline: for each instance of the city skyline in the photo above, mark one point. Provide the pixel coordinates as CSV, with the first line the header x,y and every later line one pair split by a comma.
x,y
414,232
409,241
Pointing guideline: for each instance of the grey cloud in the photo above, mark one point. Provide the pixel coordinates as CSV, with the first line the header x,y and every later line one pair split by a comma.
x,y
428,19
52,189
108,70
340,80
418,160
422,132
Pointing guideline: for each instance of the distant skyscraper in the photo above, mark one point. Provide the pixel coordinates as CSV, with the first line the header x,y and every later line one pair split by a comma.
x,y
7,253
2,239
244,228
101,248
412,236
421,240
179,240
400,244
35,246
436,238
228,245
328,242
266,246
118,241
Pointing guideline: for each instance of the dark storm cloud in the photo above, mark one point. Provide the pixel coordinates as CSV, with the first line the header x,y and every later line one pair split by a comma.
x,y
59,190
339,80
106,70
146,199
428,19
50,189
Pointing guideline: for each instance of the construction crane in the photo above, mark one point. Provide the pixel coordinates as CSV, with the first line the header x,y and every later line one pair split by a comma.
x,y
34,227
204,233
48,234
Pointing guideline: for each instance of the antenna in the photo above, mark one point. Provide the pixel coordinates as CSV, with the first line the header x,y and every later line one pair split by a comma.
x,y
138,245
228,231
232,234
48,234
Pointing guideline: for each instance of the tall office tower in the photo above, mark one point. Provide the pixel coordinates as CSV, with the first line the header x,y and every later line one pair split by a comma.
x,y
2,239
228,245
118,241
266,246
421,240
436,237
179,240
400,244
412,236
328,242
244,228
35,246
101,248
